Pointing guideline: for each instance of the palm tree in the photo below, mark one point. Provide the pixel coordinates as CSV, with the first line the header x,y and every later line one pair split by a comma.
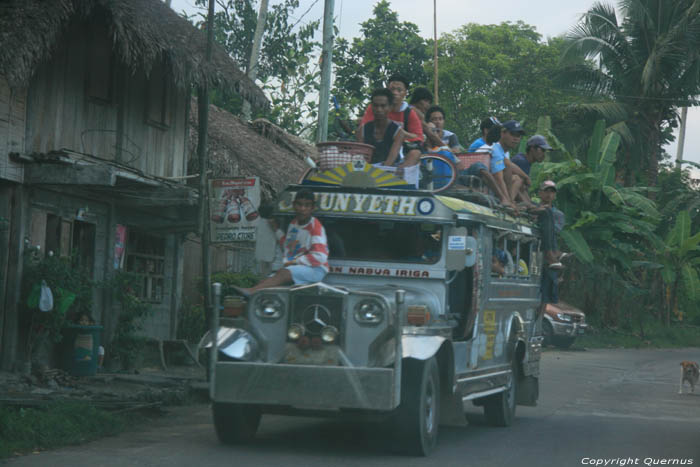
x,y
640,66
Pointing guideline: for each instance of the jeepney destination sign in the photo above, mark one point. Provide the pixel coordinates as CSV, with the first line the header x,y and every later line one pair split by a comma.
x,y
360,203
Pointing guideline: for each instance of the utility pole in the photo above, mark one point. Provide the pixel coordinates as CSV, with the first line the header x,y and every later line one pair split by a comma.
x,y
202,143
681,137
326,62
252,71
435,55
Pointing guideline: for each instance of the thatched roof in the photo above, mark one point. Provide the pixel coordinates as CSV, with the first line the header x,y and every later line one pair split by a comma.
x,y
142,32
236,148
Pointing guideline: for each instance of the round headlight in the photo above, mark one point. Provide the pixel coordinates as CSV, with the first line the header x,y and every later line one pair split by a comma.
x,y
369,312
295,331
329,334
269,307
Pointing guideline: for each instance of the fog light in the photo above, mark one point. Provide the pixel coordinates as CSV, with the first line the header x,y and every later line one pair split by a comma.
x,y
329,334
295,331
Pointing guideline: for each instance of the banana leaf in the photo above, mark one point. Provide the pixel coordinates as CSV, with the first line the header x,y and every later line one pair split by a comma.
x,y
691,283
577,244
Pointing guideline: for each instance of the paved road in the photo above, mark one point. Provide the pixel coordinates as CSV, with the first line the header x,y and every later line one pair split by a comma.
x,y
596,404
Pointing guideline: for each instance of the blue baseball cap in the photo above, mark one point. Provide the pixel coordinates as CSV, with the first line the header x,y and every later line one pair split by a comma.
x,y
539,141
514,127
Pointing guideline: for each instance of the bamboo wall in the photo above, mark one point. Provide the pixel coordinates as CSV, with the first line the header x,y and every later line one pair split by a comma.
x,y
63,112
12,123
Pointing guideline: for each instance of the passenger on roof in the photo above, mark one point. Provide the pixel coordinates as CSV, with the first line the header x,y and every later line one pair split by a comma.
x,y
407,118
514,177
421,100
495,176
448,140
486,125
535,151
385,135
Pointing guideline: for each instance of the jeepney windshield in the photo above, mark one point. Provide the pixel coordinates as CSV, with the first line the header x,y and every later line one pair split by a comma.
x,y
388,241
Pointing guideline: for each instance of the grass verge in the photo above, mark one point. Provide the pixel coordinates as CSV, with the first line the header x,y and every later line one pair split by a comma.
x,y
24,430
655,337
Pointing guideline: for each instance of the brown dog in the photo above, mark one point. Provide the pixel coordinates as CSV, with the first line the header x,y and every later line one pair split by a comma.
x,y
690,372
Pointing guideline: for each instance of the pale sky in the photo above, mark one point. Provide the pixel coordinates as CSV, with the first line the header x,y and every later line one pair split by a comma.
x,y
550,18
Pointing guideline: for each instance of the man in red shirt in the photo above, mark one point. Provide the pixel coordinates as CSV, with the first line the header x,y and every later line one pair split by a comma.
x,y
407,118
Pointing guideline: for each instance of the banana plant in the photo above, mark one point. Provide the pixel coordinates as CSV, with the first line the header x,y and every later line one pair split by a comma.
x,y
680,261
605,221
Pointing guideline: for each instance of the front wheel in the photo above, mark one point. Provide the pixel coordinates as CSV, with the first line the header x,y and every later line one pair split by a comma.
x,y
499,409
235,423
418,415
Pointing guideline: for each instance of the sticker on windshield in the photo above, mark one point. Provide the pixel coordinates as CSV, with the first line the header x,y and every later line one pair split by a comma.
x,y
456,242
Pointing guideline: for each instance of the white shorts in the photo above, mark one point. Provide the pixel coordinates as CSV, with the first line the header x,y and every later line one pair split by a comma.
x,y
302,274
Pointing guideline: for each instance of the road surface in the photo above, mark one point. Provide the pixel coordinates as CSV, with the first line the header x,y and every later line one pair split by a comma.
x,y
620,406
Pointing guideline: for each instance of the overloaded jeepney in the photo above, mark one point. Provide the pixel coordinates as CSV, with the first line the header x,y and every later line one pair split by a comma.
x,y
408,327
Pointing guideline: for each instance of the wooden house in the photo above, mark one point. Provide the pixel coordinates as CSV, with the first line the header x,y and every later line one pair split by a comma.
x,y
94,111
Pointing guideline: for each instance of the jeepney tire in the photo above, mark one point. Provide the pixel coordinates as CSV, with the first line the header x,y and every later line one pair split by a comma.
x,y
499,409
418,416
547,333
235,423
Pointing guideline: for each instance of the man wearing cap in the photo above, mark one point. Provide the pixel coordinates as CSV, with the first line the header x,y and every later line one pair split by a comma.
x,y
535,151
514,177
550,286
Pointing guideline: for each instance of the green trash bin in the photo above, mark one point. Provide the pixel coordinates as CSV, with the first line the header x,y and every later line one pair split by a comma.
x,y
80,349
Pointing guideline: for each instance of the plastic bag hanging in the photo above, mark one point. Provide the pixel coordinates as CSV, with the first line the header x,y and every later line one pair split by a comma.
x,y
45,298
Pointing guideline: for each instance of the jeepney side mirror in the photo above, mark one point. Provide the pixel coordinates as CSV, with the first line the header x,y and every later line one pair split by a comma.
x,y
470,260
456,248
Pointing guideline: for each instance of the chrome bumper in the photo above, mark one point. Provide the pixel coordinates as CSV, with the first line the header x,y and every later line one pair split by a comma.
x,y
305,386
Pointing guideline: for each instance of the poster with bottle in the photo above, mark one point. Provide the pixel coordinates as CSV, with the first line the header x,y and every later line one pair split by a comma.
x,y
233,209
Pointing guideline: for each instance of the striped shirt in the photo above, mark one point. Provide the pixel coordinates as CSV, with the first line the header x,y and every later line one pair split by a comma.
x,y
305,244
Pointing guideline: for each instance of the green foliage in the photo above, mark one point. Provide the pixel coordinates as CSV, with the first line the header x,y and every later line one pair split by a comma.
x,y
238,279
193,322
71,288
635,69
57,424
284,66
386,46
655,336
504,70
126,345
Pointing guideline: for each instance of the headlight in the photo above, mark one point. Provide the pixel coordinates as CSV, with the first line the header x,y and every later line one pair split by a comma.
x,y
269,307
369,312
563,317
295,331
329,334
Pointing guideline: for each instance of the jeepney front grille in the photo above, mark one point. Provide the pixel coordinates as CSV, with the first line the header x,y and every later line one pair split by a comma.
x,y
315,312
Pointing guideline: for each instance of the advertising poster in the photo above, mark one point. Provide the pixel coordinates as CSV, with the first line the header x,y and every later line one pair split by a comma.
x,y
233,209
119,242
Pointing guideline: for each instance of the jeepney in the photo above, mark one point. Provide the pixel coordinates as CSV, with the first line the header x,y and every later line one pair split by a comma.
x,y
408,327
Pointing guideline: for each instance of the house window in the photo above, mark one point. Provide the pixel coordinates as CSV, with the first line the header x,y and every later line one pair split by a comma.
x,y
99,66
145,257
158,99
64,237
